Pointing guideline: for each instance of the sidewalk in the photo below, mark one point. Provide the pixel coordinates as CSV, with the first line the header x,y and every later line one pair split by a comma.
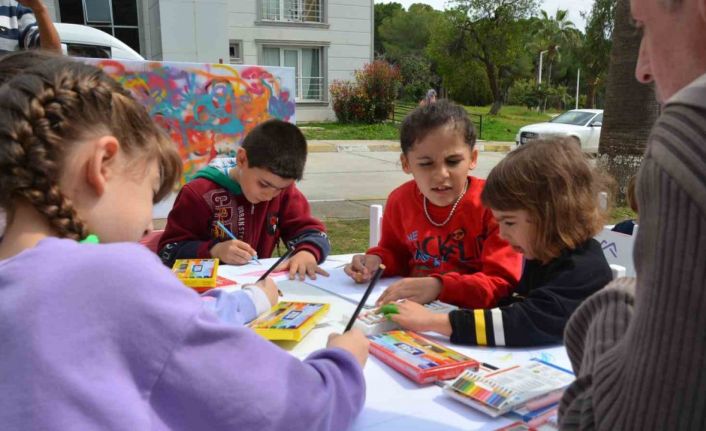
x,y
331,146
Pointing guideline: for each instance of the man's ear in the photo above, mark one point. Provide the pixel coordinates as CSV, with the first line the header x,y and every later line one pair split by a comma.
x,y
102,163
405,164
241,157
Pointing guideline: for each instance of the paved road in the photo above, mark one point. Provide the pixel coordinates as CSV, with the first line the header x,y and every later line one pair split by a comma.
x,y
344,184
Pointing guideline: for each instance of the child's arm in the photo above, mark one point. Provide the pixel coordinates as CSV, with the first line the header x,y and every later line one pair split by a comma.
x,y
391,249
188,231
501,269
300,229
241,306
538,319
239,380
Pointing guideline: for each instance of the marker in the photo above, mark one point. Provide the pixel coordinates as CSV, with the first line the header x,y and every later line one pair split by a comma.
x,y
230,234
272,268
373,281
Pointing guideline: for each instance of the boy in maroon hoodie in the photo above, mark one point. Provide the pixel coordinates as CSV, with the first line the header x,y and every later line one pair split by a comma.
x,y
253,195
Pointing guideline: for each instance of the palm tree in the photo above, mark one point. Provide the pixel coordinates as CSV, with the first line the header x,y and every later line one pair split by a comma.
x,y
630,107
554,32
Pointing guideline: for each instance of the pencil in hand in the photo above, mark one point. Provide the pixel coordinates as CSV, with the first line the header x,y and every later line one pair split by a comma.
x,y
368,290
225,230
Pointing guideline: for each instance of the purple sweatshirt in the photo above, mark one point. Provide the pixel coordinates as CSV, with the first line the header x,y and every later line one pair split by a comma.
x,y
104,337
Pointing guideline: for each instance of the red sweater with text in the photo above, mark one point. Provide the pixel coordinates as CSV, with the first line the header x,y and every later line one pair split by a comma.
x,y
476,267
191,229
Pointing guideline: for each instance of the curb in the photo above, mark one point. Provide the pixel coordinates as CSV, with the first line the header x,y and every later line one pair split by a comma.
x,y
315,146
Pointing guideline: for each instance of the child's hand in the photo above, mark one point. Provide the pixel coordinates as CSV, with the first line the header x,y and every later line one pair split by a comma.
x,y
421,290
302,263
415,317
233,252
353,341
362,267
270,288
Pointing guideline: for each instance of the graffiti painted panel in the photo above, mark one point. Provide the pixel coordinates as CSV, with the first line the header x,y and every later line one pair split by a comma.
x,y
207,109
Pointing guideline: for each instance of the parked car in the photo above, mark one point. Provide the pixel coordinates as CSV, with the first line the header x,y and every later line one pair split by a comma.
x,y
583,126
84,41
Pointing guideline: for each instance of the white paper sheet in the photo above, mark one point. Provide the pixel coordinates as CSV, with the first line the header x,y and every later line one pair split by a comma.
x,y
342,285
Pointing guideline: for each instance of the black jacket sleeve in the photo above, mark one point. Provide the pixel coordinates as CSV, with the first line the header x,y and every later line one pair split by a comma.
x,y
548,295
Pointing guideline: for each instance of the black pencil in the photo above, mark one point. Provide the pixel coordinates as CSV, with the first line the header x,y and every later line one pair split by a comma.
x,y
272,268
373,281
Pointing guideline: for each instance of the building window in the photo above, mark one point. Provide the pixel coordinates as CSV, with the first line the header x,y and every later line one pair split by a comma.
x,y
305,11
236,51
307,65
115,17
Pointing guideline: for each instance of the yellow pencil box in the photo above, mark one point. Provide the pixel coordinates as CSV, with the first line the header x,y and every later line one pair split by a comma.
x,y
289,320
199,274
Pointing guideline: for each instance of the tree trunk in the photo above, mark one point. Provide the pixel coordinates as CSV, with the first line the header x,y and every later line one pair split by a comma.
x,y
492,73
590,94
630,107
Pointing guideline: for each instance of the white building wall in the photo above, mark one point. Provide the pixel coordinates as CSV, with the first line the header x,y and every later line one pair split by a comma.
x,y
346,36
191,30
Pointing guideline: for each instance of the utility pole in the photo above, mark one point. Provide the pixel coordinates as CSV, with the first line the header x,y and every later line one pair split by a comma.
x,y
578,76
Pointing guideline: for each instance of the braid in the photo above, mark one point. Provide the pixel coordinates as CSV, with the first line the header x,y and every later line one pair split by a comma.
x,y
49,105
34,139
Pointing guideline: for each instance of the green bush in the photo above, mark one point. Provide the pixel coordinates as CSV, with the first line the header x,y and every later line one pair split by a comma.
x,y
371,97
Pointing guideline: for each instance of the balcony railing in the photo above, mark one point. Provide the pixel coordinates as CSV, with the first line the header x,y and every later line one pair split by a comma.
x,y
303,11
310,88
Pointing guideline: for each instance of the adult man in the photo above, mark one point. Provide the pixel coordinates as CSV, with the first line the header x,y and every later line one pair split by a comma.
x,y
639,346
26,24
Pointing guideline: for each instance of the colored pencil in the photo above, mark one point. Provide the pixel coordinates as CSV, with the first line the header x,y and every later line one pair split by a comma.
x,y
232,236
373,281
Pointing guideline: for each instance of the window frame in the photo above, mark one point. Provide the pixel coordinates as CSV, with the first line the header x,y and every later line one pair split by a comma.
x,y
299,80
280,21
239,44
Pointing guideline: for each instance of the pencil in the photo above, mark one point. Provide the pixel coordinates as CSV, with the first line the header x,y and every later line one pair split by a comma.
x,y
272,268
232,236
369,289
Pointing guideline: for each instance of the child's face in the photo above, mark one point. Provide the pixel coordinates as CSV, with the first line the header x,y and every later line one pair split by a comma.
x,y
439,164
258,184
127,212
517,229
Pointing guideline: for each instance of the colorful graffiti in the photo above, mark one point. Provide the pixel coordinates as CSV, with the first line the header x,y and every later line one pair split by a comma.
x,y
207,109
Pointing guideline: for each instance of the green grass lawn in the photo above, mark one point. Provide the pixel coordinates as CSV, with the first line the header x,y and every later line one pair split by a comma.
x,y
351,236
502,127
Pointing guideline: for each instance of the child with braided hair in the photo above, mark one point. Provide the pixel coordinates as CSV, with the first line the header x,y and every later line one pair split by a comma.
x,y
103,335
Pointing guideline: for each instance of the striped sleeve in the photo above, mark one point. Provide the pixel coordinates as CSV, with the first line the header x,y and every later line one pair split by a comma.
x,y
28,30
477,327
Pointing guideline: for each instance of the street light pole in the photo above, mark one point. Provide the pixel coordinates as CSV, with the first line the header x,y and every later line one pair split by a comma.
x,y
578,76
539,80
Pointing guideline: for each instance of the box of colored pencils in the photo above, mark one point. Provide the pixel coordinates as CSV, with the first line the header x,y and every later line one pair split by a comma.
x,y
500,391
418,358
199,274
289,320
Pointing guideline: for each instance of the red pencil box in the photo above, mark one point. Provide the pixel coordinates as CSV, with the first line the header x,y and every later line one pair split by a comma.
x,y
419,358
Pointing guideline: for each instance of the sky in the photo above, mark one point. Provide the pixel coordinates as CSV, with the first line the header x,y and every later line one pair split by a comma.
x,y
574,7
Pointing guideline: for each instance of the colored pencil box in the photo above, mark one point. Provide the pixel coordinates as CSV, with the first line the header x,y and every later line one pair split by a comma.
x,y
199,274
419,358
289,320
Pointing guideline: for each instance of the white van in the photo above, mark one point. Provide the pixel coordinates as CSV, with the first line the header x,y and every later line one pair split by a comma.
x,y
83,41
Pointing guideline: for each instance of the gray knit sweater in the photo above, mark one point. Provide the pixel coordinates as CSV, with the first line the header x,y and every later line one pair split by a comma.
x,y
638,347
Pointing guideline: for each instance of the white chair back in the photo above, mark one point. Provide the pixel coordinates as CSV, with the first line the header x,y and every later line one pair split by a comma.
x,y
375,224
617,248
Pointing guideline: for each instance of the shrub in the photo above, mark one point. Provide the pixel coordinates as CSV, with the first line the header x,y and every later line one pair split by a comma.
x,y
370,98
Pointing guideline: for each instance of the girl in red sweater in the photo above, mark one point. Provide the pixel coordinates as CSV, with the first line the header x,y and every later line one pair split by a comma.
x,y
435,231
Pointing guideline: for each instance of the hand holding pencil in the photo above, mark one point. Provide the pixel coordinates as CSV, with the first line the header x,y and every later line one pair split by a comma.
x,y
235,251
